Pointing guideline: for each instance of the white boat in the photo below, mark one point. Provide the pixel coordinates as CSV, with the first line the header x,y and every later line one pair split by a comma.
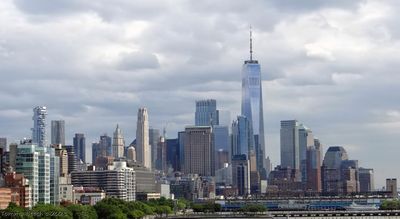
x,y
357,207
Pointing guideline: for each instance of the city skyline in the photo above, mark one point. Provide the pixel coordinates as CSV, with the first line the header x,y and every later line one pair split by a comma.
x,y
336,80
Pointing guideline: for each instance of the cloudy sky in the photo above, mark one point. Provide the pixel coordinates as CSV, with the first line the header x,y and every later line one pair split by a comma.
x,y
331,64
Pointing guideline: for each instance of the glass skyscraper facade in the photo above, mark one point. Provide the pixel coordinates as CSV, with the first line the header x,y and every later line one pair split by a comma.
x,y
290,148
242,137
221,137
206,113
80,146
39,126
252,106
58,132
35,163
27,163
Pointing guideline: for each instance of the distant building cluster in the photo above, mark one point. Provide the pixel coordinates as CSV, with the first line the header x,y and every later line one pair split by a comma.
x,y
208,160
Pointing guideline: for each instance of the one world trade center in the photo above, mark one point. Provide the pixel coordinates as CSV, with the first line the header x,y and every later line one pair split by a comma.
x,y
252,107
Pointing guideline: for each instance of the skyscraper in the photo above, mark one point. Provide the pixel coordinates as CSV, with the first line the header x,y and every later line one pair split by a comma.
x,y
242,136
80,146
366,180
306,139
143,151
199,151
290,149
241,174
161,162
72,164
39,126
154,138
221,137
391,186
131,154
118,143
206,113
62,153
331,170
58,132
3,147
3,143
105,146
252,106
34,163
95,151
173,159
313,166
181,141
13,155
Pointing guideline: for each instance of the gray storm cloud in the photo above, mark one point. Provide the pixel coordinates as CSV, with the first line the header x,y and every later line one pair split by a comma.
x,y
330,64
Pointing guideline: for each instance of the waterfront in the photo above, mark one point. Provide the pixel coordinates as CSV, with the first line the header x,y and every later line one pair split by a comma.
x,y
299,214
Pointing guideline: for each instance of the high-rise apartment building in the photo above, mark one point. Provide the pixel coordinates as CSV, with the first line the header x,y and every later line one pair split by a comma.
x,y
206,113
80,146
154,138
39,126
62,153
13,155
54,176
72,161
58,132
199,151
118,143
143,151
34,162
252,106
118,181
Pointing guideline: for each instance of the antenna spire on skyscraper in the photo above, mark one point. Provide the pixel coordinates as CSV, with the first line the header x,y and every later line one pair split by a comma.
x,y
251,45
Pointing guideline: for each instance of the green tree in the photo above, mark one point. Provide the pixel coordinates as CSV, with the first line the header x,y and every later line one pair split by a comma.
x,y
182,204
135,214
198,207
118,215
14,211
48,211
106,210
82,211
163,209
211,207
137,205
390,205
253,208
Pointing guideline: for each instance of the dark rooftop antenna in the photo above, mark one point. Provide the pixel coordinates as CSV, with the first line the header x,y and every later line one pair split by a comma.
x,y
251,45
